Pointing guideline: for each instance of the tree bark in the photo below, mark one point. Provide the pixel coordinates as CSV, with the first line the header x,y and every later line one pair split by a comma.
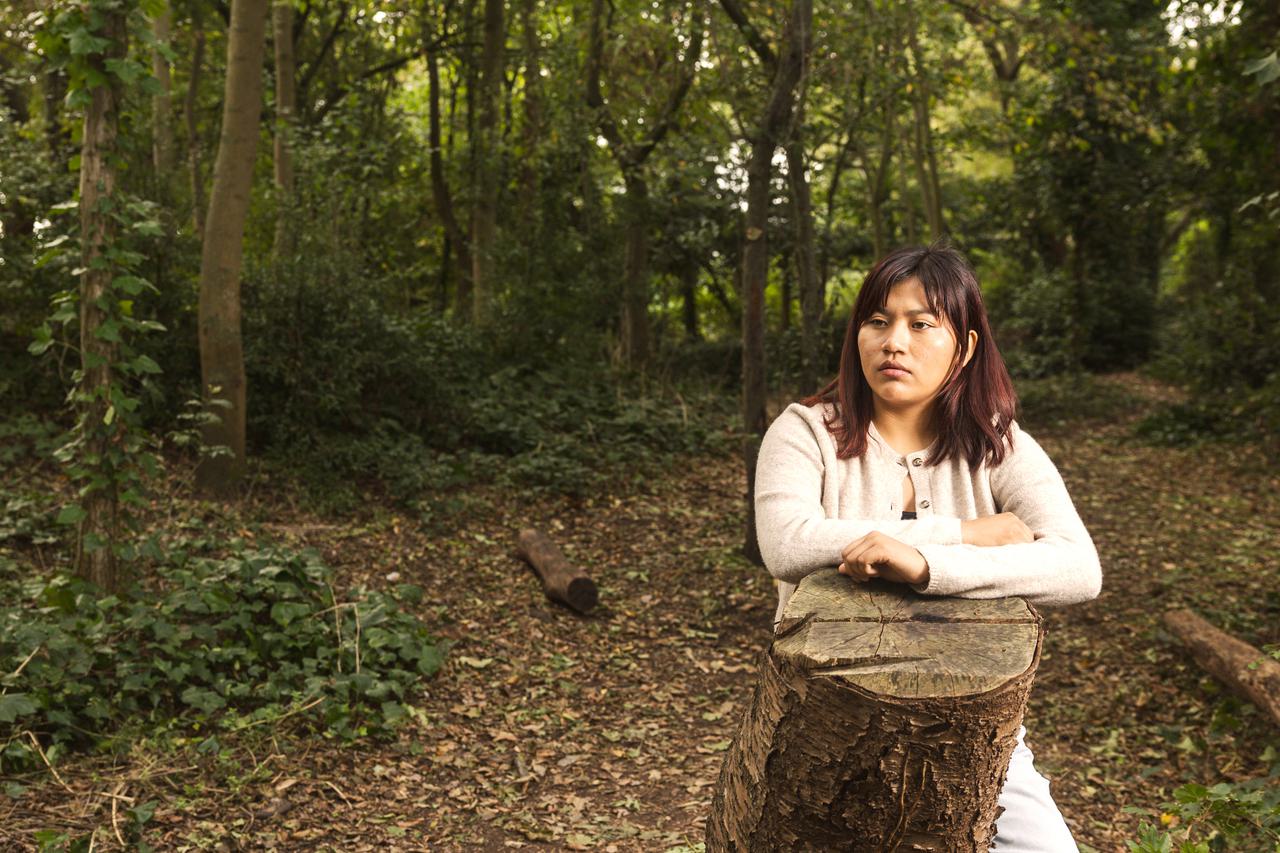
x,y
1251,674
812,297
880,720
286,91
222,254
99,529
484,215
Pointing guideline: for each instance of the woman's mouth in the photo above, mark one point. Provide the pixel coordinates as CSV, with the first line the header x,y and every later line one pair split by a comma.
x,y
893,370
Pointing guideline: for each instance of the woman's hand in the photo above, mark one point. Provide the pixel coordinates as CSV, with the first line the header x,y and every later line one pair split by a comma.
x,y
880,555
1003,529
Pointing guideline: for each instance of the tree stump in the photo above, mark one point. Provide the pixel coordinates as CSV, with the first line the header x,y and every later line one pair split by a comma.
x,y
881,720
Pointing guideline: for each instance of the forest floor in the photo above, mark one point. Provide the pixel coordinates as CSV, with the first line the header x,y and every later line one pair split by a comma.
x,y
550,730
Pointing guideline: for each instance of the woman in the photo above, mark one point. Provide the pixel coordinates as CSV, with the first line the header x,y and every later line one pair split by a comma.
x,y
910,467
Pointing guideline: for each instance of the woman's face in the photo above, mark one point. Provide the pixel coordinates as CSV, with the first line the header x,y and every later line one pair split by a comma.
x,y
907,350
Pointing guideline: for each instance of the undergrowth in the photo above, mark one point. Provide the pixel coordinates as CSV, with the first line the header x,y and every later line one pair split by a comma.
x,y
214,646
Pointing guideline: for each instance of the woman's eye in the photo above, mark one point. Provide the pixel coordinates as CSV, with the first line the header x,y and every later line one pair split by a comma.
x,y
921,324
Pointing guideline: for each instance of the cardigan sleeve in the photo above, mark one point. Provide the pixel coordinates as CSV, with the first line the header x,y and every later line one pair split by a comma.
x,y
792,528
1060,567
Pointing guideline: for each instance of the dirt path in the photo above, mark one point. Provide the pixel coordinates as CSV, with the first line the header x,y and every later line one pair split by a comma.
x,y
547,729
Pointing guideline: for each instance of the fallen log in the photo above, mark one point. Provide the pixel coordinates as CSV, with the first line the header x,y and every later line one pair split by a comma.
x,y
881,720
1251,674
561,580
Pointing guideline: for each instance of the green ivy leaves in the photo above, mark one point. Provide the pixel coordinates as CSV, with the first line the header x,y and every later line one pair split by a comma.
x,y
253,638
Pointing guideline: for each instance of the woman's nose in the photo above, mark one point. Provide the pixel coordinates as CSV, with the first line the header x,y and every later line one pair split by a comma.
x,y
894,338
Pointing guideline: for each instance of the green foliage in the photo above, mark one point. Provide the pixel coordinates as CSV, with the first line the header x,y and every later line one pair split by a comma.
x,y
353,397
109,449
1072,397
1035,322
216,646
1220,817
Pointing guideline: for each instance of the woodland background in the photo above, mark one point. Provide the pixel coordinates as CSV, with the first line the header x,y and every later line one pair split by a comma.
x,y
305,307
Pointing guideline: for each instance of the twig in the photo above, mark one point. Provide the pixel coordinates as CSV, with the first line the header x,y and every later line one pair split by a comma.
x,y
114,825
339,791
45,759
23,665
337,624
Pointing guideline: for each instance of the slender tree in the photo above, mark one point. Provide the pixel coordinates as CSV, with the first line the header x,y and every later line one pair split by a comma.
x,y
286,94
162,102
99,525
925,157
812,296
190,119
222,254
631,156
484,212
784,73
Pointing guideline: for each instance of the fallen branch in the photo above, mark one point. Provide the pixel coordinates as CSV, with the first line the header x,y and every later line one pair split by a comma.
x,y
1250,673
561,581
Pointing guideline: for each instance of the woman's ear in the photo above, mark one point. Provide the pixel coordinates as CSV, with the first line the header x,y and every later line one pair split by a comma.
x,y
973,347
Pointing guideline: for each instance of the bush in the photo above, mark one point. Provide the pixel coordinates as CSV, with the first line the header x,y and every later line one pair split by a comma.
x,y
219,644
1034,323
1218,335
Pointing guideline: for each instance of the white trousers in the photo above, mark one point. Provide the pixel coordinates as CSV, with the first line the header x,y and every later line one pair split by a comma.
x,y
1030,822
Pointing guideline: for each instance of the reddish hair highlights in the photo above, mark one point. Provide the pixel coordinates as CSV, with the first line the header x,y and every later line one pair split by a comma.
x,y
975,406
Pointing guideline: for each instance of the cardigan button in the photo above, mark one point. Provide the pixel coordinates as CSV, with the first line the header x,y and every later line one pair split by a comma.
x,y
924,504
916,462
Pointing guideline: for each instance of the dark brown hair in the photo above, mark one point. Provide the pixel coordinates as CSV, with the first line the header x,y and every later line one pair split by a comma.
x,y
976,403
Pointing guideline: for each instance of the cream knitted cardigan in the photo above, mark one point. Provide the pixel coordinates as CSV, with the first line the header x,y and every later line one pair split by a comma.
x,y
809,505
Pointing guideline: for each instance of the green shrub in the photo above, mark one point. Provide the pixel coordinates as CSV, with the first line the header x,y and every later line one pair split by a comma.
x,y
1034,319
1221,817
218,645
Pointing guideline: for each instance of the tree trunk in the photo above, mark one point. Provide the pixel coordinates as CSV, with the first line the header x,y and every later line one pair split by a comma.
x,y
440,194
98,530
689,300
484,218
162,103
635,273
811,286
909,222
222,254
785,271
282,40
56,134
531,136
193,130
755,260
926,159
880,720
